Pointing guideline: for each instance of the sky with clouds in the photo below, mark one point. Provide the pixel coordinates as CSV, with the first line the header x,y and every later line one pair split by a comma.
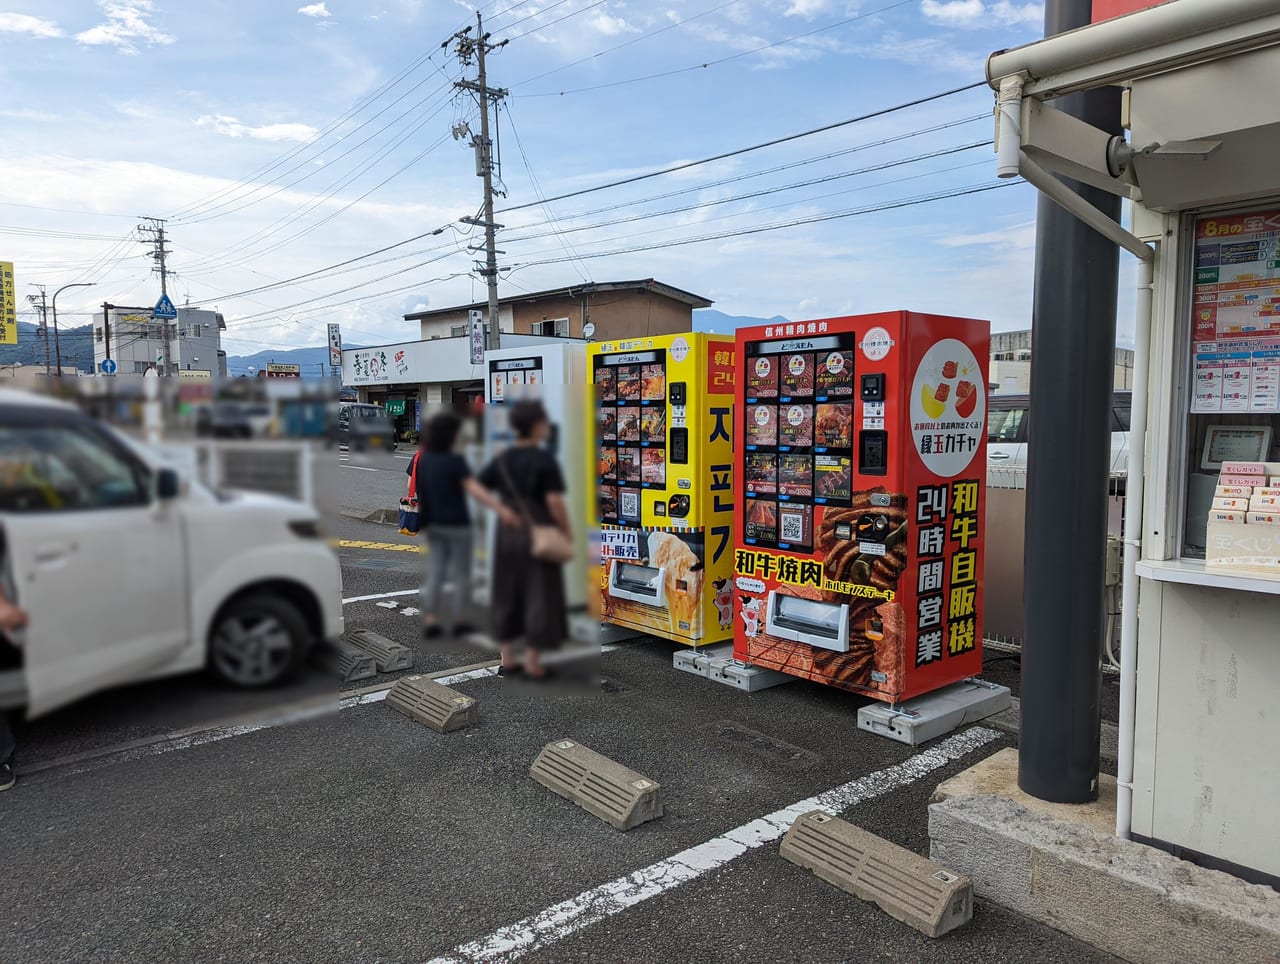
x,y
284,139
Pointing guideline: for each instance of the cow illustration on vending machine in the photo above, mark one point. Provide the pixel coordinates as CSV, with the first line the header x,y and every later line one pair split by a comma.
x,y
858,545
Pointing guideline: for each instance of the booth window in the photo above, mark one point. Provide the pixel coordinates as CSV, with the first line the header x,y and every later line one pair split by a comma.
x,y
1232,329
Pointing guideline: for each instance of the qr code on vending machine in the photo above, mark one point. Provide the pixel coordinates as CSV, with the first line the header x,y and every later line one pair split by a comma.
x,y
792,527
631,505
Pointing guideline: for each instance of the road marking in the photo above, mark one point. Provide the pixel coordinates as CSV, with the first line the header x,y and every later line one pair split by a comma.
x,y
382,546
198,736
381,595
592,906
358,468
377,696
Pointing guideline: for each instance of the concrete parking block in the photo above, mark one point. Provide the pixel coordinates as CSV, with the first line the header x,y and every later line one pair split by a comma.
x,y
620,797
908,887
432,704
389,655
349,663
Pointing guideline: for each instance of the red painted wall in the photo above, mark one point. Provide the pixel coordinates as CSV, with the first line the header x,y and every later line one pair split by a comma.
x,y
1106,9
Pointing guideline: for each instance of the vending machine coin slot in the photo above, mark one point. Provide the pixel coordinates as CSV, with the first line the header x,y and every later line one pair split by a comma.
x,y
873,452
679,454
873,387
678,506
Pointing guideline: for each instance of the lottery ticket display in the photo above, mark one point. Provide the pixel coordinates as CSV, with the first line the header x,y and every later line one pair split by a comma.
x,y
661,483
858,529
1236,314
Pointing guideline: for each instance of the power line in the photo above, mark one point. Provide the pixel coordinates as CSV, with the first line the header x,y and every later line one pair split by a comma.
x,y
328,129
790,165
627,43
765,192
543,26
796,222
754,147
724,60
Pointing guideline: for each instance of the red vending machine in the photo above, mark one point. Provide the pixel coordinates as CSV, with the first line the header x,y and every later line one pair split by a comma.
x,y
861,465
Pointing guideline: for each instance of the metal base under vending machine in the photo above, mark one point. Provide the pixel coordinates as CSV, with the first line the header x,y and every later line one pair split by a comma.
x,y
661,478
861,467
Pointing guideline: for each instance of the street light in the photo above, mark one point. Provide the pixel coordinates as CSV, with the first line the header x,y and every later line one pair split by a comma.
x,y
57,345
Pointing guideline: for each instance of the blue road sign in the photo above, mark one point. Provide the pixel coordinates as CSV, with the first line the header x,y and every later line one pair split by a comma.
x,y
108,366
164,309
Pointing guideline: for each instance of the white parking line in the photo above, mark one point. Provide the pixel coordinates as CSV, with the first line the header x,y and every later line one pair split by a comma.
x,y
358,468
381,595
591,906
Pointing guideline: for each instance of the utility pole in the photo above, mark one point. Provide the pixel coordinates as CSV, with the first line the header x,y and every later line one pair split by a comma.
x,y
44,325
154,231
1073,336
473,50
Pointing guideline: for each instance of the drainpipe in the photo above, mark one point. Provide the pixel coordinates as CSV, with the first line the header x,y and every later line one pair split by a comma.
x,y
1009,126
1133,549
1011,162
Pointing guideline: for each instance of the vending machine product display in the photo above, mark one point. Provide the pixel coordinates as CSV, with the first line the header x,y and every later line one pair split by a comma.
x,y
555,374
661,477
862,467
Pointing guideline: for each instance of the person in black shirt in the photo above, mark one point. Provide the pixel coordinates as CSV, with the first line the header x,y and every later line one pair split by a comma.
x,y
528,593
442,482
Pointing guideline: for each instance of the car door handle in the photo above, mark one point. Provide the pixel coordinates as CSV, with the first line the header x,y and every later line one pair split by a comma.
x,y
53,552
998,457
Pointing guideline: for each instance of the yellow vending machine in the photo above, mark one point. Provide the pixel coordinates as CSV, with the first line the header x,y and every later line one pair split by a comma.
x,y
661,479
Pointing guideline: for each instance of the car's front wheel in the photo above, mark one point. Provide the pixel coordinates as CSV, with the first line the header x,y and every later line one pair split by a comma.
x,y
258,640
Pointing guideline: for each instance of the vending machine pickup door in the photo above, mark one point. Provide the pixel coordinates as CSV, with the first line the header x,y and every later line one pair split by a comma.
x,y
642,584
821,624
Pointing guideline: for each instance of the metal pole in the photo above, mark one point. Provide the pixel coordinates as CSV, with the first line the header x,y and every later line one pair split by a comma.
x,y
492,336
1068,460
57,345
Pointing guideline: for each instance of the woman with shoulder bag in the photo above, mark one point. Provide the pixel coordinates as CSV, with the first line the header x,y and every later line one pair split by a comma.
x,y
528,576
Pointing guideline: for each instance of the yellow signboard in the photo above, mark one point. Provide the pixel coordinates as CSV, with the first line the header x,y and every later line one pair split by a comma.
x,y
8,306
190,375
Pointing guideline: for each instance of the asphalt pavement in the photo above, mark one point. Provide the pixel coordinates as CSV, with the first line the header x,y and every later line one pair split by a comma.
x,y
175,821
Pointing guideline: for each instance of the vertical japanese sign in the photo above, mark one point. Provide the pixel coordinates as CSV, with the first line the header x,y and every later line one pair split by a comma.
x,y
335,346
476,319
947,542
8,306
1235,322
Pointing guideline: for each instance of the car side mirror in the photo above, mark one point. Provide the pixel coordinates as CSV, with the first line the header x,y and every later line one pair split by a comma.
x,y
168,484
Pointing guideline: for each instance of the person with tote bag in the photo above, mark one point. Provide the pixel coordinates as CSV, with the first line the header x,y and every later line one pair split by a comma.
x,y
528,600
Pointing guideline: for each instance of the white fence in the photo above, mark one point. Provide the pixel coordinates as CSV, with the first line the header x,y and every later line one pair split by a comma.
x,y
276,468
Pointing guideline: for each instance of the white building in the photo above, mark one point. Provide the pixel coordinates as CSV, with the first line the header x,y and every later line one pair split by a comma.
x,y
1010,368
135,341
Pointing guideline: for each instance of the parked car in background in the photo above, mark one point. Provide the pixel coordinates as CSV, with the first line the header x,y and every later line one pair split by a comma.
x,y
1008,422
132,572
361,426
234,420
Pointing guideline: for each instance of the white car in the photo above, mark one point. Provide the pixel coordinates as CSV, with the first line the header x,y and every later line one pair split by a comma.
x,y
131,572
1008,422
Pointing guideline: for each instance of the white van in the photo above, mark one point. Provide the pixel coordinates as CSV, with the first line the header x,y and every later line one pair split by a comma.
x,y
131,572
1008,422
